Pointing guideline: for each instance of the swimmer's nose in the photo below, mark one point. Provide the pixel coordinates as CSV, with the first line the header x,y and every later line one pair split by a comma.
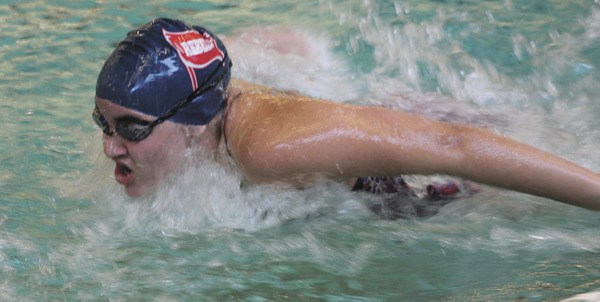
x,y
114,147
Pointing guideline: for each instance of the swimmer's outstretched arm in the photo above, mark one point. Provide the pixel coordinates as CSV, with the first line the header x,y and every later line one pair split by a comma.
x,y
291,138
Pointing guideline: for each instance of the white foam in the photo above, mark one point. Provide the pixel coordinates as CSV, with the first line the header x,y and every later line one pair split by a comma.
x,y
203,194
291,59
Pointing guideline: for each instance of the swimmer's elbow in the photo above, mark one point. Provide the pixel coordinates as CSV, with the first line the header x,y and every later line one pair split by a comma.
x,y
451,150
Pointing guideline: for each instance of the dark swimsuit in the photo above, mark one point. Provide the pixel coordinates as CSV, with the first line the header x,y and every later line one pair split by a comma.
x,y
398,199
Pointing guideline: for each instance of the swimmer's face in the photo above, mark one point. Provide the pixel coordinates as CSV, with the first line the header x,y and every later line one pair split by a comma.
x,y
141,166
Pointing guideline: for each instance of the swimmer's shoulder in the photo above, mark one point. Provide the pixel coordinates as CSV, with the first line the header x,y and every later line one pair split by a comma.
x,y
247,108
253,91
250,102
258,115
239,87
245,98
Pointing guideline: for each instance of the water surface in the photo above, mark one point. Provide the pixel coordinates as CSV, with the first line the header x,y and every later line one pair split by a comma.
x,y
527,69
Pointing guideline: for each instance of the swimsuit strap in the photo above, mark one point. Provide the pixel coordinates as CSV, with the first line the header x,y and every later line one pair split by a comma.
x,y
226,104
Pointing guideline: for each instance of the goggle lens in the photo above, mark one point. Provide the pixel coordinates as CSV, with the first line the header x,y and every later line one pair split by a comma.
x,y
100,121
129,128
133,129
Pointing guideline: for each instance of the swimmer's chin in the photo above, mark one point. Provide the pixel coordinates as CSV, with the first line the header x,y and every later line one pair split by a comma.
x,y
135,192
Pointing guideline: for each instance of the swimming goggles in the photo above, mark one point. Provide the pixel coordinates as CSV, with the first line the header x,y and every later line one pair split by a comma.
x,y
134,129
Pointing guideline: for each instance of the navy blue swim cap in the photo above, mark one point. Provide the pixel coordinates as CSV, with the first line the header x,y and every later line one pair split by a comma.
x,y
160,64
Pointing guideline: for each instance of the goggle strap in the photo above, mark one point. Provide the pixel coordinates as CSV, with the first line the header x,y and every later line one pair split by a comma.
x,y
192,96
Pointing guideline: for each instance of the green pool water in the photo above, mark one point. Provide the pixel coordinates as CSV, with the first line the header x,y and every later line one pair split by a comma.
x,y
527,69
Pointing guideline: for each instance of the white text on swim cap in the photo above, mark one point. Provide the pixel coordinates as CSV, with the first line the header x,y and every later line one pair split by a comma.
x,y
197,46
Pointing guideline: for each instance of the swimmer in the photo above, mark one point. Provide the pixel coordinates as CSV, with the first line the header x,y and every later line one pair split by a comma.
x,y
166,90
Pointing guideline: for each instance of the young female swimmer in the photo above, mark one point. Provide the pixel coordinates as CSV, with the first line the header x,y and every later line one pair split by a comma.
x,y
166,88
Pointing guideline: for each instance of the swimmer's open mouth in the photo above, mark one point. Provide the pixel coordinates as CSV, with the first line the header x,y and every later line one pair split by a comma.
x,y
123,174
124,169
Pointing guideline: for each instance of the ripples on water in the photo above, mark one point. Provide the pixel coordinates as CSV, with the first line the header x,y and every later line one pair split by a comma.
x,y
529,70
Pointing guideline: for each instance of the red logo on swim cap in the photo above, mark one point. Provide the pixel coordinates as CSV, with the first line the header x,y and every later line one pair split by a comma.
x,y
195,50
